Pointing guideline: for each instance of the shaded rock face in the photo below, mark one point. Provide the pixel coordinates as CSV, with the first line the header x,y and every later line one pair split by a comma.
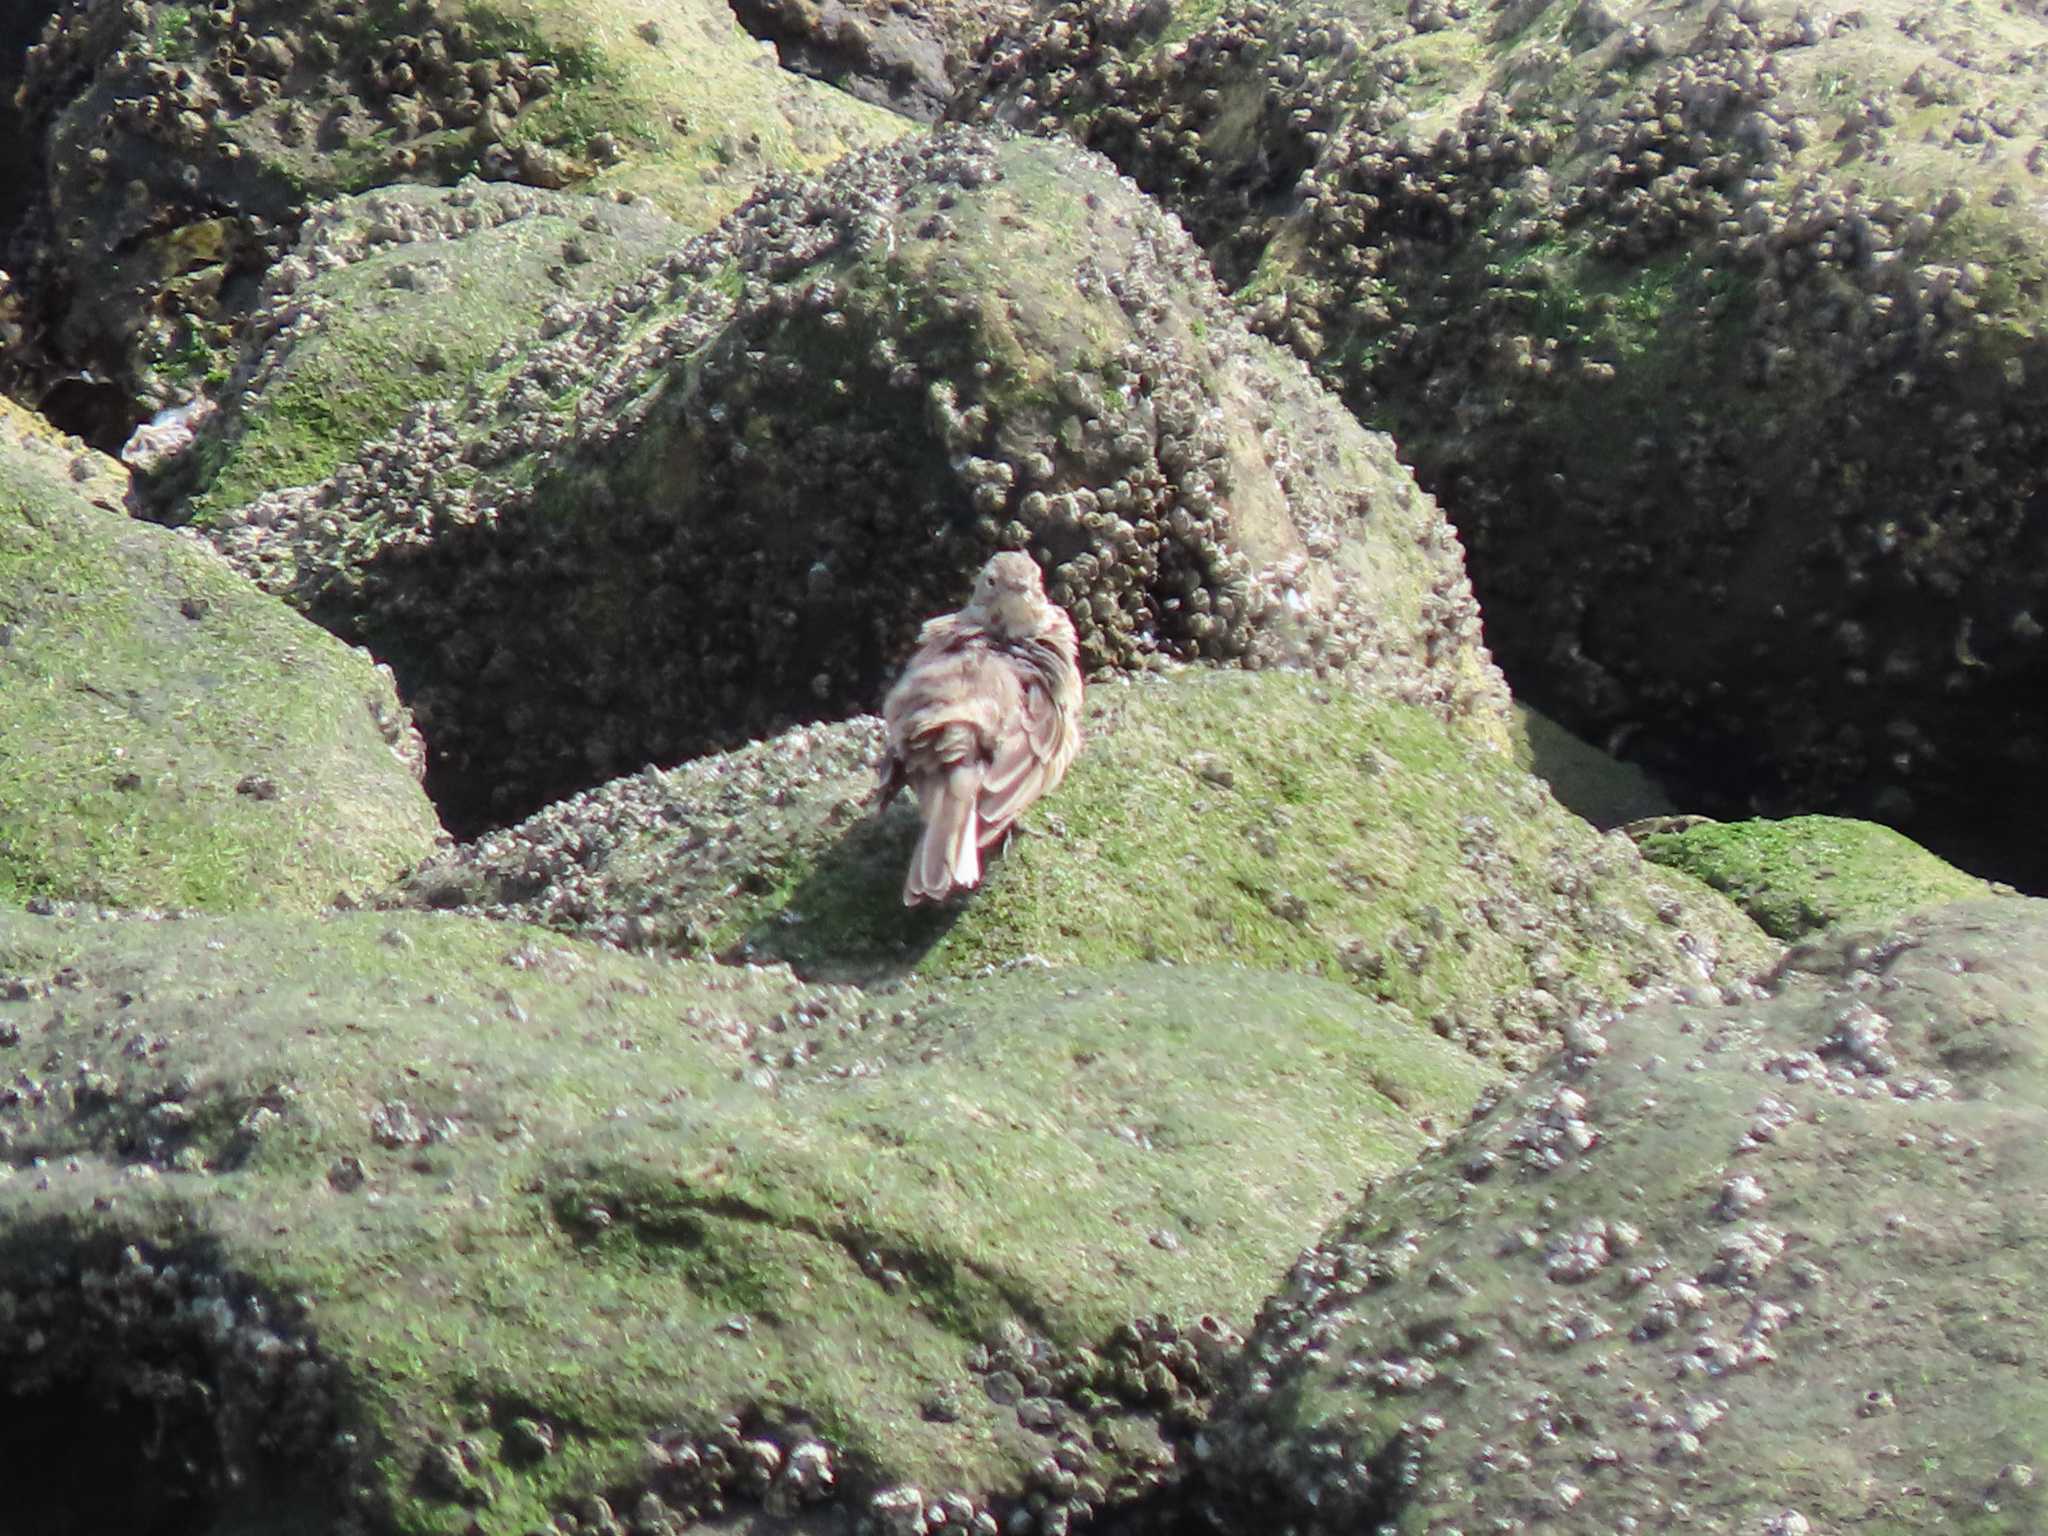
x,y
1213,818
907,55
1717,330
421,1221
1770,1266
176,148
724,496
169,735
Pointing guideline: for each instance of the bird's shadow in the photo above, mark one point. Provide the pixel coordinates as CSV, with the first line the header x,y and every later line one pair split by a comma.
x,y
845,920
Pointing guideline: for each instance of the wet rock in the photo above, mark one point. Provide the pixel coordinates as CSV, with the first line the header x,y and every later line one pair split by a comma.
x,y
724,496
170,736
1426,872
1765,1272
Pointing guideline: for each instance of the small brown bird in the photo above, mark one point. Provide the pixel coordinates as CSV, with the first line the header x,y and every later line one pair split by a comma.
x,y
984,720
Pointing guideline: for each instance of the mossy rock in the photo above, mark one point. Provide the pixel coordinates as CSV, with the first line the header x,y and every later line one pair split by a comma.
x,y
1718,330
1213,818
176,144
449,1220
170,736
721,498
1807,873
392,299
1772,1266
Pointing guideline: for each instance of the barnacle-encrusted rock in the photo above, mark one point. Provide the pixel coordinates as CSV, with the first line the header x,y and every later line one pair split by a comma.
x,y
171,149
1213,817
452,1215
391,299
1771,1266
1806,873
723,497
169,735
1717,328
909,55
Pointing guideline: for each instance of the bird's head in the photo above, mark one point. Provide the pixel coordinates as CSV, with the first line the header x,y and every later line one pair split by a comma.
x,y
1009,595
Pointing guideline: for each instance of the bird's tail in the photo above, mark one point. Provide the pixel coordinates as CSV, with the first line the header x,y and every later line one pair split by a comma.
x,y
949,853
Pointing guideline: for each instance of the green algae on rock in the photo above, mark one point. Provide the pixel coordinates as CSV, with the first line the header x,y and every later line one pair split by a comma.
x,y
1806,873
442,1216
176,146
1212,818
392,299
1772,1266
722,498
170,736
1717,329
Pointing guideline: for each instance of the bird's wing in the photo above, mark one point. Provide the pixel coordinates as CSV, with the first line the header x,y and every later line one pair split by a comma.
x,y
1031,754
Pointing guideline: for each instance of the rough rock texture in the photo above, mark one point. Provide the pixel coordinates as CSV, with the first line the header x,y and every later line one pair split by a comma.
x,y
724,497
1798,876
173,149
1772,1266
392,299
1716,327
439,1221
169,736
908,55
1214,818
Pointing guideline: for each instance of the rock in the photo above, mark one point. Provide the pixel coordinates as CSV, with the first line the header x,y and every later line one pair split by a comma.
x,y
1717,329
174,151
722,498
143,684
1806,873
1726,1266
668,1231
1587,781
909,56
391,299
1356,840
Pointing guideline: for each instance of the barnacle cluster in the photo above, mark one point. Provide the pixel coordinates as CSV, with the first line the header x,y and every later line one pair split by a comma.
x,y
1730,382
721,497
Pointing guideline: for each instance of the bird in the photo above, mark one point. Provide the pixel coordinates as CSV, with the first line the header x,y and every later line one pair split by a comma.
x,y
984,720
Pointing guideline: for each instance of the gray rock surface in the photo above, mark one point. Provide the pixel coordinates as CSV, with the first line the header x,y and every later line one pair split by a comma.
x,y
1773,1265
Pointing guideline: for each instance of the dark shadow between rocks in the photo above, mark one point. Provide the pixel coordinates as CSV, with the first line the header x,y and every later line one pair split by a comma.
x,y
845,921
155,1392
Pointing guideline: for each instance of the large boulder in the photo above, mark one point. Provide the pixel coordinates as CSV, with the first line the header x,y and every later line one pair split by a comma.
x,y
1774,1266
169,735
1717,329
436,1223
1215,818
170,151
723,497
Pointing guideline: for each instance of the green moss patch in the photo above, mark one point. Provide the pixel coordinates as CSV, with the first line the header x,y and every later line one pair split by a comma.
x,y
1255,819
169,736
510,1177
1807,873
